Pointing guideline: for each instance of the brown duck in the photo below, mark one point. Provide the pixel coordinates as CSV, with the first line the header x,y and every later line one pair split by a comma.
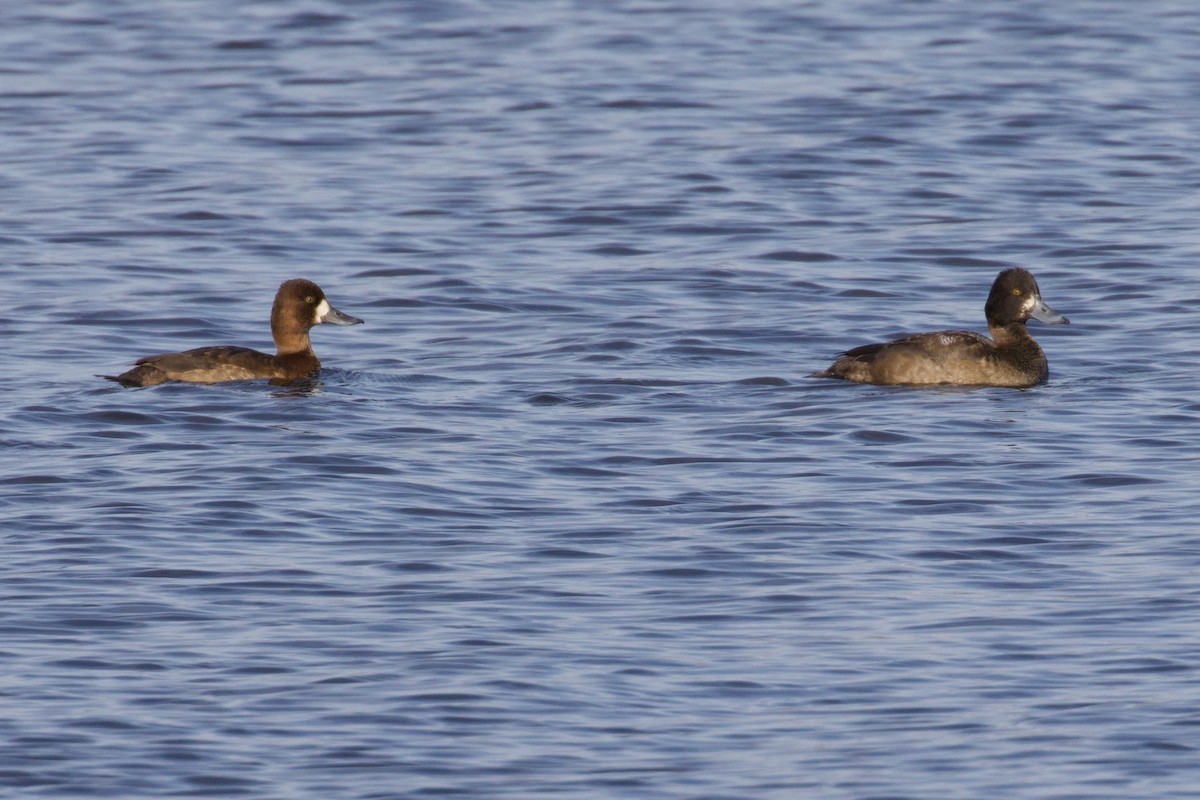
x,y
299,305
1010,358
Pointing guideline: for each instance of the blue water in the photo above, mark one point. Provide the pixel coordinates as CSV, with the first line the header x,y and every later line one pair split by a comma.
x,y
566,518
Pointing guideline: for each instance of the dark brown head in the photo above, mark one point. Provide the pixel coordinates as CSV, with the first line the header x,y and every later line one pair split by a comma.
x,y
299,305
1015,298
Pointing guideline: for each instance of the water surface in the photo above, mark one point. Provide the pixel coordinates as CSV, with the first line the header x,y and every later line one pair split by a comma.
x,y
566,517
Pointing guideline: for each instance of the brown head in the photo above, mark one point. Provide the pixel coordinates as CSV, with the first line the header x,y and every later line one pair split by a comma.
x,y
299,305
1015,298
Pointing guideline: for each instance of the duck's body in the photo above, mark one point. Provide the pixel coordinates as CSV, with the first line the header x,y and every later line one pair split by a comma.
x,y
1010,358
217,364
299,305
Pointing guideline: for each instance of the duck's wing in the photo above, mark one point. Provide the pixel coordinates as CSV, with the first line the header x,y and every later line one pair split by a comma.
x,y
940,345
201,365
917,359
209,358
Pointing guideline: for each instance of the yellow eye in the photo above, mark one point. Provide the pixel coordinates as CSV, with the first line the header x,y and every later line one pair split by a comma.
x,y
308,298
1016,292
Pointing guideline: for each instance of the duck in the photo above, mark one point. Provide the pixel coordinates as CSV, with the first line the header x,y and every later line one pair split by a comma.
x,y
1010,358
299,305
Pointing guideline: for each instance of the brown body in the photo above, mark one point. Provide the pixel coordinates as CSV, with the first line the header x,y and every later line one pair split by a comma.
x,y
1010,358
299,305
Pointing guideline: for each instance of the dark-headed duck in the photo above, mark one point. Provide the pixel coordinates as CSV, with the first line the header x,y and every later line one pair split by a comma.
x,y
299,305
1010,358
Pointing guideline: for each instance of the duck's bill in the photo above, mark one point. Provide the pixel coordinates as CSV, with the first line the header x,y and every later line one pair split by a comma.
x,y
1044,313
338,318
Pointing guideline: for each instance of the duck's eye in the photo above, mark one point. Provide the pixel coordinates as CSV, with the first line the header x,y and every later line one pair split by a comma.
x,y
1016,292
308,298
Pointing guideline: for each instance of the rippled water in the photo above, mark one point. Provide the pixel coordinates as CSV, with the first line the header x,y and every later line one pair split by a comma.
x,y
566,517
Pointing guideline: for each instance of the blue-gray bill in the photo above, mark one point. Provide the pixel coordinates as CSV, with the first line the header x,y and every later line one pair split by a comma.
x,y
338,318
1044,313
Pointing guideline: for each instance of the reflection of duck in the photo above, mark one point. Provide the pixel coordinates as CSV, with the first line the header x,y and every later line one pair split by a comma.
x,y
299,305
1010,358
